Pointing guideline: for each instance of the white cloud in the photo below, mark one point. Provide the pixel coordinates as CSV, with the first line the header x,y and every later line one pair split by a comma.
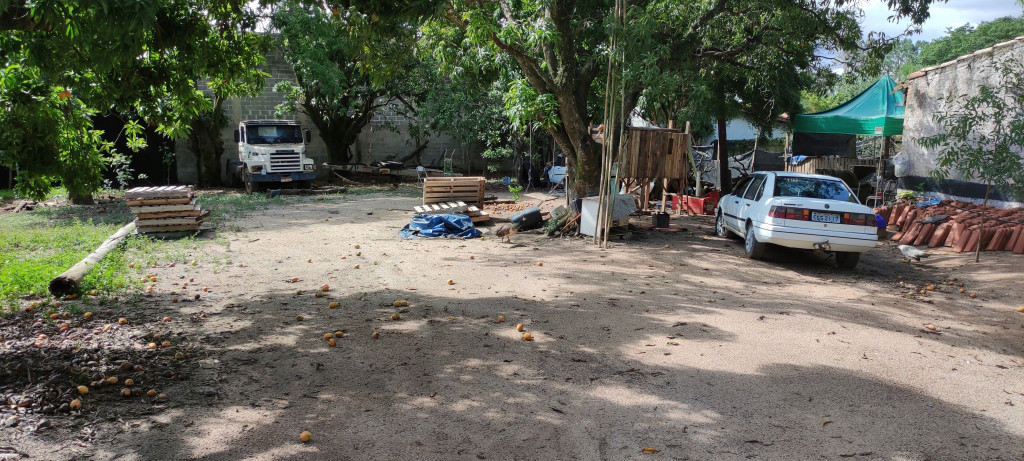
x,y
943,15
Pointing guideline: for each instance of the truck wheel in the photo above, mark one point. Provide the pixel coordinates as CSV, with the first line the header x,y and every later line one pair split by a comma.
x,y
231,172
251,186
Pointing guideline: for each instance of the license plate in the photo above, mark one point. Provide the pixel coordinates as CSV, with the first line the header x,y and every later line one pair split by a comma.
x,y
289,179
825,217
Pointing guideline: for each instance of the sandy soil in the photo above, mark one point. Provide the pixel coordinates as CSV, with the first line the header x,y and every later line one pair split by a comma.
x,y
670,341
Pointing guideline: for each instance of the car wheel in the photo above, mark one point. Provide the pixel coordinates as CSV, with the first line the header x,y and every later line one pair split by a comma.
x,y
751,247
720,228
847,259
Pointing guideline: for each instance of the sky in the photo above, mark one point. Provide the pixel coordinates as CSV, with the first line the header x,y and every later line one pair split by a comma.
x,y
955,13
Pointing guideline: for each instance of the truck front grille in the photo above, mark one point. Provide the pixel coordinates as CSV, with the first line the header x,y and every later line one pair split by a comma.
x,y
285,162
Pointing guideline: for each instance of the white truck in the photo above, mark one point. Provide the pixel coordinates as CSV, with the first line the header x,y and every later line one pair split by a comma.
x,y
272,152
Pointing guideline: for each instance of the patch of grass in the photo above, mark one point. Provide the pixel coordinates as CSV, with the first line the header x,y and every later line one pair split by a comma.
x,y
34,249
223,207
116,213
403,190
6,194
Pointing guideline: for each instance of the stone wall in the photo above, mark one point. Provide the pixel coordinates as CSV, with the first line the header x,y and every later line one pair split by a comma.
x,y
376,142
926,95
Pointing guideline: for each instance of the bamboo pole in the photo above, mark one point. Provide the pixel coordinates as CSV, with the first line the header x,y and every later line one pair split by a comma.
x,y
68,282
602,221
606,134
981,227
616,154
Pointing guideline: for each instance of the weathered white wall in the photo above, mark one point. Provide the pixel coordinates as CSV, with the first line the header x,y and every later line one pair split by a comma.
x,y
927,95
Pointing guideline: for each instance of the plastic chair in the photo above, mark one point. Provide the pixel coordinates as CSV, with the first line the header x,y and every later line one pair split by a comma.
x,y
449,164
886,195
421,174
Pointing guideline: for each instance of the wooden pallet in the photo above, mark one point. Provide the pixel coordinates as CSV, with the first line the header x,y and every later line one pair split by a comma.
x,y
159,201
194,211
163,208
167,229
170,224
475,214
142,193
443,207
468,189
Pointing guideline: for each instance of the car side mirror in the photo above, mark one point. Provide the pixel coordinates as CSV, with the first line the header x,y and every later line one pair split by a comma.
x,y
237,137
309,137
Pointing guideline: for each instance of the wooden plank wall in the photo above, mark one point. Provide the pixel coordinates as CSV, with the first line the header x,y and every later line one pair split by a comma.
x,y
655,153
813,164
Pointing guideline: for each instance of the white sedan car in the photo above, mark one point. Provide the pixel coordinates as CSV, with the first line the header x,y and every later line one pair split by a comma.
x,y
797,210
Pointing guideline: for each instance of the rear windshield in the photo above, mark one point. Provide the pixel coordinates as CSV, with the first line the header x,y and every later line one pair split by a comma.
x,y
830,189
273,134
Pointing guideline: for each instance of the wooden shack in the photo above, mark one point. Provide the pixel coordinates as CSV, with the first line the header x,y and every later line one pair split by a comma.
x,y
654,154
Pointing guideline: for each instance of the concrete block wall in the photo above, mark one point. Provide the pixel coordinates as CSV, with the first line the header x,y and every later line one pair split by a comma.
x,y
375,143
927,94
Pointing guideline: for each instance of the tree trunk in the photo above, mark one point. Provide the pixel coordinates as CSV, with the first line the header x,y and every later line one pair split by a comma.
x,y
207,145
81,199
68,282
339,131
415,153
724,175
338,142
573,137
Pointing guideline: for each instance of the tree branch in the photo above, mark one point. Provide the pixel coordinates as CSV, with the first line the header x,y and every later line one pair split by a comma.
x,y
716,9
20,18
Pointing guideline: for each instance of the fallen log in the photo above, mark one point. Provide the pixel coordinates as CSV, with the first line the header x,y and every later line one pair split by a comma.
x,y
68,282
333,190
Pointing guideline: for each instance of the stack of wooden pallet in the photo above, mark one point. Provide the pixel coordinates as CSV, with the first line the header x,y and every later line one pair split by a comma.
x,y
475,214
957,225
165,210
469,189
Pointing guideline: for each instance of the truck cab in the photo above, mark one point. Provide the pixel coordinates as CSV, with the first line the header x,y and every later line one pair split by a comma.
x,y
273,152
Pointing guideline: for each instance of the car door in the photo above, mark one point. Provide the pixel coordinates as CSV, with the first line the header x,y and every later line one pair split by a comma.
x,y
748,202
731,205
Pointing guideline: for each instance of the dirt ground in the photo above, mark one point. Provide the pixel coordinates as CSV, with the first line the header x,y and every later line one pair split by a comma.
x,y
670,345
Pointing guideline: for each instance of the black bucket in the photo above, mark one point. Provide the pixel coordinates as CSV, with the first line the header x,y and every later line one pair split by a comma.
x,y
528,218
660,219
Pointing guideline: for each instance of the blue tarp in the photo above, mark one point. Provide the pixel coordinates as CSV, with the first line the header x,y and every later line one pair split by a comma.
x,y
439,225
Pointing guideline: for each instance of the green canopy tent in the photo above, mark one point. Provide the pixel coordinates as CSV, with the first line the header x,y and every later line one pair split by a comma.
x,y
877,111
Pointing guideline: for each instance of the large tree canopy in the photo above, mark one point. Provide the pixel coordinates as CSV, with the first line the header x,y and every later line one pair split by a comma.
x,y
64,61
347,63
720,57
704,59
964,40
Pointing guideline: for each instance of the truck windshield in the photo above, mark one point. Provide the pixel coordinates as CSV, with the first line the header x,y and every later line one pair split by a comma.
x,y
813,188
273,134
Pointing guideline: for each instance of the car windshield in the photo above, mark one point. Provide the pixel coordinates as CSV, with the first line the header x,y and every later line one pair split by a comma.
x,y
273,134
829,189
